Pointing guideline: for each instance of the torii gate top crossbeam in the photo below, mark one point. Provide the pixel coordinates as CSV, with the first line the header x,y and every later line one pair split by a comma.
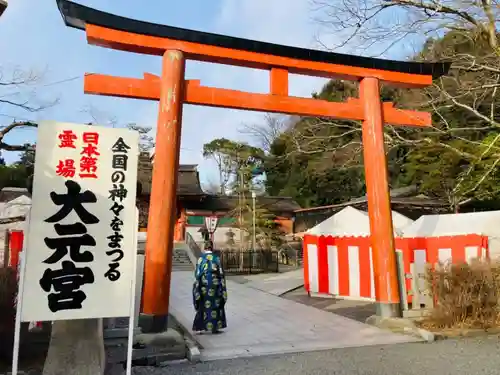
x,y
112,31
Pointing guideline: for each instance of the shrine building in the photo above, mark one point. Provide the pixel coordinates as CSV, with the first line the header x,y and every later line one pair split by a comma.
x,y
193,204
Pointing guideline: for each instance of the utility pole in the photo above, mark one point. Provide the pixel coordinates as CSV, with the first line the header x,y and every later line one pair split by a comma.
x,y
222,190
240,206
254,219
241,200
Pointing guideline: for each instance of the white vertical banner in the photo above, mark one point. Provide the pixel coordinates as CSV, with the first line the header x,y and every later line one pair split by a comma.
x,y
211,223
81,243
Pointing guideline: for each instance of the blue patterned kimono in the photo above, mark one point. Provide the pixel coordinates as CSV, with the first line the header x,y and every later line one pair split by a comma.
x,y
209,294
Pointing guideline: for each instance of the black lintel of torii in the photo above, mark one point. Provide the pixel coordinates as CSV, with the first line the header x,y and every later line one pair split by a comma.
x,y
77,16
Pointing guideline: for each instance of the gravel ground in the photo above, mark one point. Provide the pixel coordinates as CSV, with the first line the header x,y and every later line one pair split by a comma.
x,y
449,357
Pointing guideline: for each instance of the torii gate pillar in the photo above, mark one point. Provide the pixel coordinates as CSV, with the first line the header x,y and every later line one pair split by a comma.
x,y
162,217
379,202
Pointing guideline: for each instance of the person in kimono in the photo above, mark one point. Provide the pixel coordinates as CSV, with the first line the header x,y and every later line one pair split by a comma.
x,y
209,293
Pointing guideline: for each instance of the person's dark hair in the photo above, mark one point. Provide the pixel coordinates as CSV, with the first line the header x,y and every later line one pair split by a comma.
x,y
205,233
209,245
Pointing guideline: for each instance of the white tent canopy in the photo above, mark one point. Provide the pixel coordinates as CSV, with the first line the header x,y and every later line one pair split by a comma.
x,y
483,223
15,208
353,222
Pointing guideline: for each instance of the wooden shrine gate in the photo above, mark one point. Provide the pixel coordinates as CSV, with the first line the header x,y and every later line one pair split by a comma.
x,y
177,45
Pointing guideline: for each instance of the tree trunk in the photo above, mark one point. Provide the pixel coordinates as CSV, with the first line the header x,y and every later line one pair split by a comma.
x,y
76,348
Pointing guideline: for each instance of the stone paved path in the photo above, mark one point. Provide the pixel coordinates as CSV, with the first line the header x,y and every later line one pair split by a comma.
x,y
260,323
278,284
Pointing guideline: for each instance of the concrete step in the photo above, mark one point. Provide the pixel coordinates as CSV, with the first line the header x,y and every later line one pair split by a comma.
x,y
182,268
180,264
178,256
181,257
181,260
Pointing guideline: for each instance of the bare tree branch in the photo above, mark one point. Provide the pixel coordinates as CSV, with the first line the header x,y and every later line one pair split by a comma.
x,y
19,80
463,32
212,187
265,134
5,130
382,25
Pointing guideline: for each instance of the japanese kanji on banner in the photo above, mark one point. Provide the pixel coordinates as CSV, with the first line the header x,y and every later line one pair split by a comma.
x,y
80,252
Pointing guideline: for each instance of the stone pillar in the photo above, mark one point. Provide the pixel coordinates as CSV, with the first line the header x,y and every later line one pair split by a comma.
x,y
76,348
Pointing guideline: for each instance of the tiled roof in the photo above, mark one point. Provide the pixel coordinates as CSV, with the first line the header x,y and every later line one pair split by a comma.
x,y
188,177
9,193
276,205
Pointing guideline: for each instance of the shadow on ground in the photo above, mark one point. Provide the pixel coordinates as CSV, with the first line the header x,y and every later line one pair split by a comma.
x,y
357,310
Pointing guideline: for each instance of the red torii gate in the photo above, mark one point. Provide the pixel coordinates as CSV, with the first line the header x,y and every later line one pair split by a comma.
x,y
177,45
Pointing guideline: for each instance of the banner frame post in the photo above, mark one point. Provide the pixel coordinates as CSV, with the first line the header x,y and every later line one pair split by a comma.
x,y
19,300
131,322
